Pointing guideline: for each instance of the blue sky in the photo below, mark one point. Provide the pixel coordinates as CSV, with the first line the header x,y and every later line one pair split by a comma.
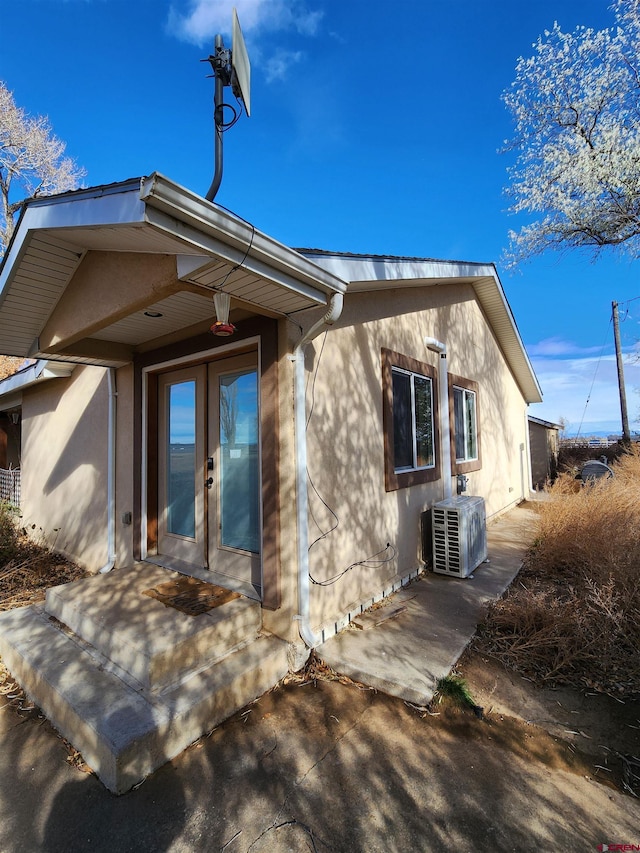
x,y
375,127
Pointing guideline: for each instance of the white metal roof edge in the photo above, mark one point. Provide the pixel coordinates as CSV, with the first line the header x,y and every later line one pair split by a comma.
x,y
126,204
187,206
531,388
41,371
376,270
379,272
541,422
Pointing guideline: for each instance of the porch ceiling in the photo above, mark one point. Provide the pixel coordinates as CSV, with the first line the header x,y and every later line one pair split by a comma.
x,y
212,249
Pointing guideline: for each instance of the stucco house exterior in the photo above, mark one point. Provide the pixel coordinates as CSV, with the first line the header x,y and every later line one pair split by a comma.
x,y
290,461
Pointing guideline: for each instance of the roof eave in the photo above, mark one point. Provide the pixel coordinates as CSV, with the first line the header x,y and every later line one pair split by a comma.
x,y
369,273
185,206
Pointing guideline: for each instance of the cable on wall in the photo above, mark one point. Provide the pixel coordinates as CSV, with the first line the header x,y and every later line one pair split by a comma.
x,y
368,563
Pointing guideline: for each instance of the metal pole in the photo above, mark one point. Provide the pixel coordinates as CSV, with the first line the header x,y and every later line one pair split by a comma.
x,y
218,101
626,435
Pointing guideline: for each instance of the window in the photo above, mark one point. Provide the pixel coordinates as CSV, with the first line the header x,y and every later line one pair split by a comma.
x,y
410,431
465,437
412,421
464,416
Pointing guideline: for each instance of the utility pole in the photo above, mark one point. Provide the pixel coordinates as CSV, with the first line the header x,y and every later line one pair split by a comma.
x,y
626,435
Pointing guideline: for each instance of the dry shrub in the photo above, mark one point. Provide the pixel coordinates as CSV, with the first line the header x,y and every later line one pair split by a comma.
x,y
8,532
28,567
572,616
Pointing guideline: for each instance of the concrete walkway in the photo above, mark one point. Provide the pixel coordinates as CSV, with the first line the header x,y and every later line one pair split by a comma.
x,y
404,655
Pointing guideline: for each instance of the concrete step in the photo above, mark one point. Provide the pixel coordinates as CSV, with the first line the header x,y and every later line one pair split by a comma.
x,y
157,645
123,731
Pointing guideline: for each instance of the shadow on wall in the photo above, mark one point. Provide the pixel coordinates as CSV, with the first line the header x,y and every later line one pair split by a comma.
x,y
65,463
352,518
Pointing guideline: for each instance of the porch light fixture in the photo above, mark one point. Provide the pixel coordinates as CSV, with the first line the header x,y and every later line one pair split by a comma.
x,y
154,314
15,417
222,327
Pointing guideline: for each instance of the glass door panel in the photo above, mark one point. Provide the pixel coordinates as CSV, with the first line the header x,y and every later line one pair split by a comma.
x,y
239,462
181,469
235,504
181,458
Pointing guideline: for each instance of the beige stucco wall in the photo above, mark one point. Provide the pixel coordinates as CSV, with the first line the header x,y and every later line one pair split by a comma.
x,y
280,621
65,448
64,464
345,435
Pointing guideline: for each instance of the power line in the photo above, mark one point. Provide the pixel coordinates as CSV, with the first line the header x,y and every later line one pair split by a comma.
x,y
594,377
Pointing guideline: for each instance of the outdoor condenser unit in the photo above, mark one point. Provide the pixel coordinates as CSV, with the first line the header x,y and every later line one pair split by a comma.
x,y
459,529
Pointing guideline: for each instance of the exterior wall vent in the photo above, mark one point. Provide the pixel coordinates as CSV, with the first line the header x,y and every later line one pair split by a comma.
x,y
459,535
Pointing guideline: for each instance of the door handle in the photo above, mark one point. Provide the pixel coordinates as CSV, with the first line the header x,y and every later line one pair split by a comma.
x,y
208,483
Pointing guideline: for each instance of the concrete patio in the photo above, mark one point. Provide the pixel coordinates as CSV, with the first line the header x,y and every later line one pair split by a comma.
x,y
131,683
405,653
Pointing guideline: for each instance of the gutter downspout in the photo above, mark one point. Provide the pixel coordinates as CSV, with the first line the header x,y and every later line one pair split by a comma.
x,y
302,519
445,432
111,473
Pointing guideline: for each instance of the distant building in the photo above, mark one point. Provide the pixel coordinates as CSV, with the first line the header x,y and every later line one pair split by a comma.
x,y
544,442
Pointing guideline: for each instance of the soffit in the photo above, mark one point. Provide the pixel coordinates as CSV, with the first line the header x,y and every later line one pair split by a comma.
x,y
179,311
212,247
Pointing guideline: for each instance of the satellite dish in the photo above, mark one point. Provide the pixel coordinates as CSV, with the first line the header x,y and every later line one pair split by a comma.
x,y
241,68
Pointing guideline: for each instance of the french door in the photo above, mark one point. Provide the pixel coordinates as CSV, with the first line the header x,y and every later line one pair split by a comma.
x,y
209,506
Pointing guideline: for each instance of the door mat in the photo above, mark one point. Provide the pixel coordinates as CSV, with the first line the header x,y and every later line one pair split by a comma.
x,y
190,595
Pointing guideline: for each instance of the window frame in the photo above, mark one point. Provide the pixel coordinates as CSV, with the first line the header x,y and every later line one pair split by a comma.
x,y
464,466
402,479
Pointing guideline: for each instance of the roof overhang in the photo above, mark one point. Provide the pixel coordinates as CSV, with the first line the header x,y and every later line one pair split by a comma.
x,y
370,273
208,248
546,424
40,371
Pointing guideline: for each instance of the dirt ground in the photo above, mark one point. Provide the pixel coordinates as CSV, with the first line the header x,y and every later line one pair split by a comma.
x,y
562,727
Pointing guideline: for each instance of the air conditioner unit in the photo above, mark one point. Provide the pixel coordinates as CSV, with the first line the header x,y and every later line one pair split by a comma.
x,y
459,528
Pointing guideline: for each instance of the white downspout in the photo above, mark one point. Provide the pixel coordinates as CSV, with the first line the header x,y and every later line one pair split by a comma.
x,y
302,518
445,433
111,473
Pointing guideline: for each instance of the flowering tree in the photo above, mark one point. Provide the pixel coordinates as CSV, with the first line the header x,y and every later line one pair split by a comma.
x,y
31,158
576,108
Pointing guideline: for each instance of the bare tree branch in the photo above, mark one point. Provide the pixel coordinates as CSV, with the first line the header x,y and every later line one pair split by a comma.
x,y
32,162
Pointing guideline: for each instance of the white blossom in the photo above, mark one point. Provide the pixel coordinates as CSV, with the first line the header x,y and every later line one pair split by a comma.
x,y
31,160
576,108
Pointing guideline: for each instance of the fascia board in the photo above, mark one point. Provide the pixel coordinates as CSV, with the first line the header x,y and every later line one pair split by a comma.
x,y
543,423
85,211
238,236
372,272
